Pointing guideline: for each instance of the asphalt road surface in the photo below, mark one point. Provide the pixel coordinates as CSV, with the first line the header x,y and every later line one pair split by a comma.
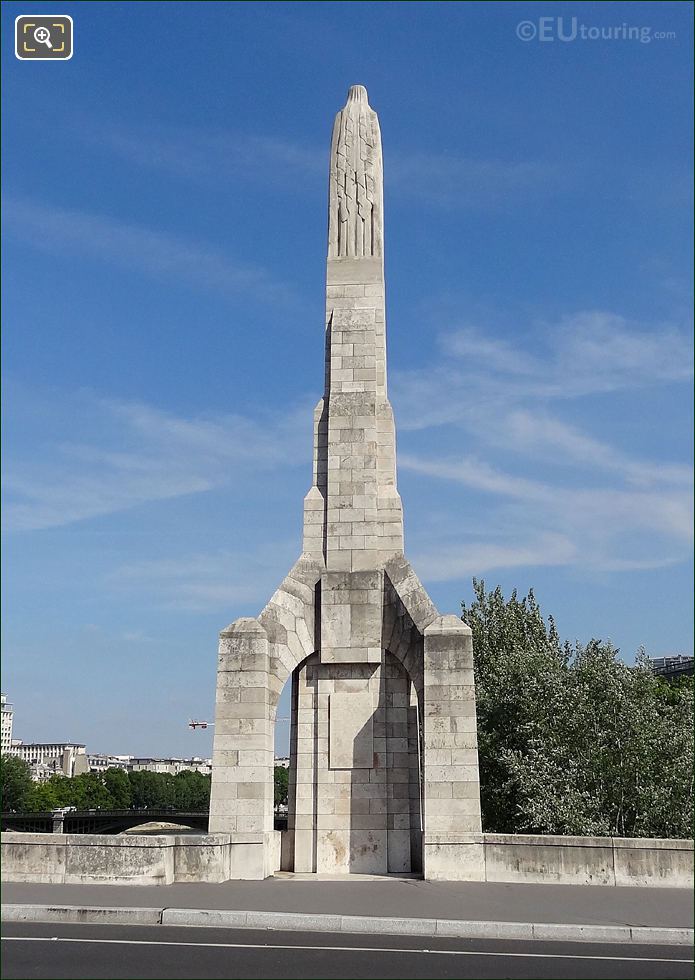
x,y
75,952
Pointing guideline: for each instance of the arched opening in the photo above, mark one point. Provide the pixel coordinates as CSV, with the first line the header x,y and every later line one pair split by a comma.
x,y
354,800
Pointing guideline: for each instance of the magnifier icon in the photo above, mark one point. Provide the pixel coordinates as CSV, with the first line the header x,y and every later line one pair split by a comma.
x,y
43,36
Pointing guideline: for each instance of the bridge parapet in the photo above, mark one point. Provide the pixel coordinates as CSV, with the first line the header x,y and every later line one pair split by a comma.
x,y
99,821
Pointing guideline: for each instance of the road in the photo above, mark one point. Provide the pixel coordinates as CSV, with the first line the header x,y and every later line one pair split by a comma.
x,y
74,952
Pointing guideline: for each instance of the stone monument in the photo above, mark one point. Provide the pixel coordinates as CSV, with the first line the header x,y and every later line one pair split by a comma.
x,y
383,744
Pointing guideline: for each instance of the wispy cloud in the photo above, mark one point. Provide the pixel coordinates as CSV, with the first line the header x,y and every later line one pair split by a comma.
x,y
488,353
585,509
547,437
202,582
206,154
470,557
166,456
135,247
438,179
523,411
607,352
586,353
448,180
442,179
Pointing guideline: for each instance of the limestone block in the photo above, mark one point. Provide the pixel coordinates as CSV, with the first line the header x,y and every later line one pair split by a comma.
x,y
132,861
639,861
34,857
454,861
398,845
248,861
351,732
350,627
368,852
304,850
368,821
470,789
225,789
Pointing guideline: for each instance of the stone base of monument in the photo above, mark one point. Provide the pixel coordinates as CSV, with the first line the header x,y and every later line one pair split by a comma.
x,y
165,860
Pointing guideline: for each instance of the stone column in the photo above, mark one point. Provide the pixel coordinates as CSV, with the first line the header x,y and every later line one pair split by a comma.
x,y
241,798
452,844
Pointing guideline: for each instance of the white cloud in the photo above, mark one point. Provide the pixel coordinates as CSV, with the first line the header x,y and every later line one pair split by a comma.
x,y
469,558
486,352
514,405
664,511
583,354
448,180
207,154
549,438
602,528
166,456
208,582
156,253
52,496
439,179
598,351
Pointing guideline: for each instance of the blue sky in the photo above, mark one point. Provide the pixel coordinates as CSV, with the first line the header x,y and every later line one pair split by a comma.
x,y
165,236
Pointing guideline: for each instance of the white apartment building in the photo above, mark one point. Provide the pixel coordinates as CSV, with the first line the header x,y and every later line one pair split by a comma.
x,y
7,718
100,763
46,759
172,766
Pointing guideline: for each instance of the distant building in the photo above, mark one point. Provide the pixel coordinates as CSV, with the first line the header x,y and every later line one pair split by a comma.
x,y
172,766
100,763
671,668
7,717
283,762
46,759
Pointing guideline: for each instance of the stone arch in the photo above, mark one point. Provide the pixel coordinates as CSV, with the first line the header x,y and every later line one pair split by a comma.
x,y
289,620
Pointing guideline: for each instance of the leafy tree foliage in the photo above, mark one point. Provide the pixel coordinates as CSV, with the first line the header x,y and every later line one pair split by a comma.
x,y
153,790
15,777
118,787
282,778
44,796
572,740
114,789
192,791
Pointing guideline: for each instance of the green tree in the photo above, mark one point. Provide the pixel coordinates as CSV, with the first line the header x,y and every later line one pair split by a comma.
x,y
520,668
42,796
192,791
281,787
143,789
154,790
15,778
62,790
572,740
87,792
118,787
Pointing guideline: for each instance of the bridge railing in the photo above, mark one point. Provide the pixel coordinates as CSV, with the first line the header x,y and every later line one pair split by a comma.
x,y
99,821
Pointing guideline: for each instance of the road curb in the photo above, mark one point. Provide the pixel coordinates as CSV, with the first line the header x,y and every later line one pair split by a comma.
x,y
363,925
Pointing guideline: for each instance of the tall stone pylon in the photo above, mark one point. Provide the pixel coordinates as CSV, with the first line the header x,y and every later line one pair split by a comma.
x,y
383,744
353,517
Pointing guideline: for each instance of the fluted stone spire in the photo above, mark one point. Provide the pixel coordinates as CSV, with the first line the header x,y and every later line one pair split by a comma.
x,y
353,514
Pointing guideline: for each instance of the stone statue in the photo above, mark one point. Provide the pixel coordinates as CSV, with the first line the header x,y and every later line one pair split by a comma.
x,y
356,184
